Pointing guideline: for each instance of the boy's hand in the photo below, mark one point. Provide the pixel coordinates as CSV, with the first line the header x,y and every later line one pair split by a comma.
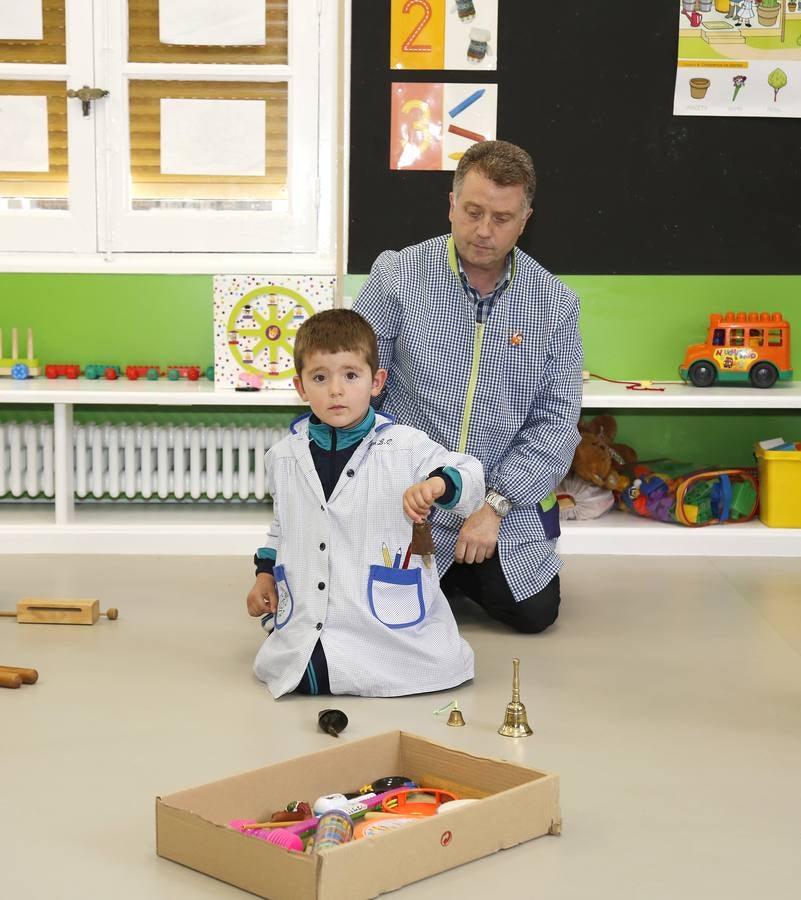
x,y
263,597
419,498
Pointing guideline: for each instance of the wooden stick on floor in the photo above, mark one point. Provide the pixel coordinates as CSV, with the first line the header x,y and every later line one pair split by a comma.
x,y
10,679
28,676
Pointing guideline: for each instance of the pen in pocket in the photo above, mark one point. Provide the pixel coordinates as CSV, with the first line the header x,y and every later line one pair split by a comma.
x,y
397,560
387,558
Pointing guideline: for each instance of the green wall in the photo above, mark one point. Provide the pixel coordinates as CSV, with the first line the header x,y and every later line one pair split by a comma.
x,y
634,327
638,326
123,319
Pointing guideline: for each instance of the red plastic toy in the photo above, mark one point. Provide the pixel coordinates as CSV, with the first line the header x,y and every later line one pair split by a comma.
x,y
176,372
149,372
68,371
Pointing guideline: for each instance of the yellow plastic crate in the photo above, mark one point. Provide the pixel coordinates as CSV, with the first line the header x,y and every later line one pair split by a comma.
x,y
779,487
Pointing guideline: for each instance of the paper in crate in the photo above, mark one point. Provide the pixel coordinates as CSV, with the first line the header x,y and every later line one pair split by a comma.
x,y
256,318
516,804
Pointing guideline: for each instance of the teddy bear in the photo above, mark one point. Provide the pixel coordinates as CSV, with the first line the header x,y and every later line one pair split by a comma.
x,y
598,459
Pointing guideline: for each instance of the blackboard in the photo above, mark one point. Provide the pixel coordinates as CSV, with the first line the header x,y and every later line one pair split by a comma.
x,y
624,186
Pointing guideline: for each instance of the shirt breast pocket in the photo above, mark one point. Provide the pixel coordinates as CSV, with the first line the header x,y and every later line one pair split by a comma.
x,y
286,605
396,596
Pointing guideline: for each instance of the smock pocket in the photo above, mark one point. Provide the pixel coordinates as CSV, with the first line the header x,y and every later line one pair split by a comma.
x,y
286,605
548,510
396,596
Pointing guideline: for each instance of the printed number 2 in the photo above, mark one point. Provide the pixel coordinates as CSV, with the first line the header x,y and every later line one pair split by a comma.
x,y
409,45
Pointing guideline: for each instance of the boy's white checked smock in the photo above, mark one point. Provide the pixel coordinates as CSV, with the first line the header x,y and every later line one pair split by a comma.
x,y
507,391
386,631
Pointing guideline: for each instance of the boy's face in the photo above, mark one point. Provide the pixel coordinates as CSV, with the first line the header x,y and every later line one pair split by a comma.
x,y
338,386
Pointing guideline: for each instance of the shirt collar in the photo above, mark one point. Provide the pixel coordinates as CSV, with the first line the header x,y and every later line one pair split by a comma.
x,y
322,434
456,265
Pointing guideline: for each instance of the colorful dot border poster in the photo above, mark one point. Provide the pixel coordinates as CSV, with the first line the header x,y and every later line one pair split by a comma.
x,y
739,58
256,318
444,34
431,125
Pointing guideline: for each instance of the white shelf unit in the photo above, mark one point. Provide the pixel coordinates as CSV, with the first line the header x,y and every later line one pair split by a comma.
x,y
206,529
619,533
129,528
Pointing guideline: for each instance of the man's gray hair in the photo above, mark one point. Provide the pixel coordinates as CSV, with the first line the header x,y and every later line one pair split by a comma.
x,y
504,163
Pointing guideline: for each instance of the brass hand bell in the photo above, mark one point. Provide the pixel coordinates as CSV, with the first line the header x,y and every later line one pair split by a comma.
x,y
515,722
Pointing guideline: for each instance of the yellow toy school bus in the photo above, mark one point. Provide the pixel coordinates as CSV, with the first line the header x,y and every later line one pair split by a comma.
x,y
741,348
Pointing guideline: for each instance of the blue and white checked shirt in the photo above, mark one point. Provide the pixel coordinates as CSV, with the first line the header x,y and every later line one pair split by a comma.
x,y
507,391
483,305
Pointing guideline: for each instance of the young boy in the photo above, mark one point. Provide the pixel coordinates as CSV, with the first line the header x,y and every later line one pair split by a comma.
x,y
352,612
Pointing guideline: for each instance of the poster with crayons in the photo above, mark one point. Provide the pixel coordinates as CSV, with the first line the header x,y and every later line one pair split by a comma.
x,y
444,34
433,124
738,58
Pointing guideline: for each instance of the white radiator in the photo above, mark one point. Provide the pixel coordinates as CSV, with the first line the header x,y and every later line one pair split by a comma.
x,y
184,462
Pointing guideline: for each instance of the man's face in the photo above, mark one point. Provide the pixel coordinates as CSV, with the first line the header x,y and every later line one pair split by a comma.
x,y
487,219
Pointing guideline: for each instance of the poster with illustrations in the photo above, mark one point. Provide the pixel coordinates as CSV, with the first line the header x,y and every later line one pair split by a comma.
x,y
739,58
256,318
443,34
433,124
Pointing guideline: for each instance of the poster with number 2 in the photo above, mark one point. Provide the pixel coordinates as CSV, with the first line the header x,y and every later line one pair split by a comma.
x,y
444,34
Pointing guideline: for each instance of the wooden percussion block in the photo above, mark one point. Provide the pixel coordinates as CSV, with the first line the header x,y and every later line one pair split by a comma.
x,y
44,610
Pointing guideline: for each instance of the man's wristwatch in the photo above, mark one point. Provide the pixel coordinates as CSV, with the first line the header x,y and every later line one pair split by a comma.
x,y
498,502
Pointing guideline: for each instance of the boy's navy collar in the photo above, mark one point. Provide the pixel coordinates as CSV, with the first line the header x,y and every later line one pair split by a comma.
x,y
322,434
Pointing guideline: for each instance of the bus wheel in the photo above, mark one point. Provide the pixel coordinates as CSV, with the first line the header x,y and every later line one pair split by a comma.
x,y
702,374
763,375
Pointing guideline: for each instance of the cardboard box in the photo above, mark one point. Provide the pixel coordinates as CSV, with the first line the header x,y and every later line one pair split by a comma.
x,y
517,804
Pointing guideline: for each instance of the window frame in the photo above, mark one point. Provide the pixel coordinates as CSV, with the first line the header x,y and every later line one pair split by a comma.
x,y
319,169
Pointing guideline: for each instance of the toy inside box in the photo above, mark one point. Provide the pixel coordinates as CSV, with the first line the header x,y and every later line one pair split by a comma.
x,y
515,804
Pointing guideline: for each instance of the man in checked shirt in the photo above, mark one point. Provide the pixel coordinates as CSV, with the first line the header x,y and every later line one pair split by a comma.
x,y
484,354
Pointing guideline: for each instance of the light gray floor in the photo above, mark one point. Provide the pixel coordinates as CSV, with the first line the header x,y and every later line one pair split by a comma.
x,y
667,697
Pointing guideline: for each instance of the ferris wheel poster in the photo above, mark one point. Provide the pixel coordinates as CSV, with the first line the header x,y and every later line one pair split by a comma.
x,y
256,318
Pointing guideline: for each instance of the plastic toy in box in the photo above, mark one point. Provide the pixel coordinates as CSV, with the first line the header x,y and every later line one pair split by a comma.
x,y
256,318
740,348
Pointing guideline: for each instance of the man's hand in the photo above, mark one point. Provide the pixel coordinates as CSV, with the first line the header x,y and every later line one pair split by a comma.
x,y
263,597
478,536
419,498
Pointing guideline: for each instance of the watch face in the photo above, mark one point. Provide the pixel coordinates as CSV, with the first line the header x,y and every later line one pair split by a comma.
x,y
499,503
